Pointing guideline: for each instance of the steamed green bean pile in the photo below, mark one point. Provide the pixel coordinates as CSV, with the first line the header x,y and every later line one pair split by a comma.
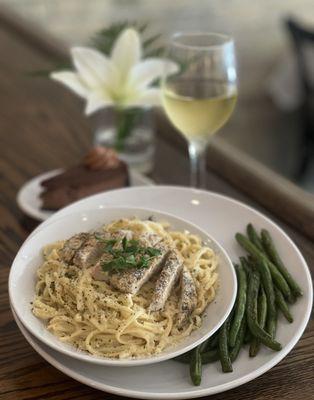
x,y
265,289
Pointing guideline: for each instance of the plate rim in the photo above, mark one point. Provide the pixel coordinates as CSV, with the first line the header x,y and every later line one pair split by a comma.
x,y
26,207
256,373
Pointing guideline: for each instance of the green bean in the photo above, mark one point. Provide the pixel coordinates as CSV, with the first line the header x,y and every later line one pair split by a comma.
x,y
262,307
262,314
282,305
240,305
254,237
213,341
254,298
206,357
245,264
203,346
210,343
196,367
251,261
254,347
223,348
248,335
248,268
275,258
278,279
210,356
239,341
272,328
270,294
183,358
251,311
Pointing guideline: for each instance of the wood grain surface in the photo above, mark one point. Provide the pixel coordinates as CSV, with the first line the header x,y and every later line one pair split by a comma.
x,y
41,128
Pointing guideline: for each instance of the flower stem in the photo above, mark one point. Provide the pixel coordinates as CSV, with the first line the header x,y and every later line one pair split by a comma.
x,y
126,121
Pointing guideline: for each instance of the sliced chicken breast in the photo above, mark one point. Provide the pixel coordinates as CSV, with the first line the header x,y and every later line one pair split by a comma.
x,y
188,297
89,252
132,280
71,246
168,276
97,272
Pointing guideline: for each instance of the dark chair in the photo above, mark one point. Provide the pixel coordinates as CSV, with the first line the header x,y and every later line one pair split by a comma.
x,y
302,38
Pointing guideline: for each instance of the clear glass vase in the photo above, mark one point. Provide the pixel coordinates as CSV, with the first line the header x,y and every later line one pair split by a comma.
x,y
130,132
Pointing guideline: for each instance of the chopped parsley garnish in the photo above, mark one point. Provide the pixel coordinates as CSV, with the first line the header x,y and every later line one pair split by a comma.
x,y
127,254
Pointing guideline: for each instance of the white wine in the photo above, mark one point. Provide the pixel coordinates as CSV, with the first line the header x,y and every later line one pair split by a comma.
x,y
199,108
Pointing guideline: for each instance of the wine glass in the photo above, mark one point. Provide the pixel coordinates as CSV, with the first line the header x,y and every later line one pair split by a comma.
x,y
200,97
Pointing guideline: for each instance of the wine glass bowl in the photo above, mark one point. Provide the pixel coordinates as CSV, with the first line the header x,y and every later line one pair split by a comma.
x,y
200,97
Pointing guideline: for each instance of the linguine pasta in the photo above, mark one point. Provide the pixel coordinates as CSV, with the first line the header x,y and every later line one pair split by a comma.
x,y
94,317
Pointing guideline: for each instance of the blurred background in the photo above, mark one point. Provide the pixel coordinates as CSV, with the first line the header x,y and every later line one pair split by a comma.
x,y
273,121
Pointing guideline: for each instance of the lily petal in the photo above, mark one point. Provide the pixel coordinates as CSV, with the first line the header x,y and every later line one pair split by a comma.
x,y
96,101
71,80
146,72
94,68
148,98
126,51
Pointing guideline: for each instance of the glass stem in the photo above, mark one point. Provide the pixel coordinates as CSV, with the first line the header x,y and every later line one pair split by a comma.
x,y
197,154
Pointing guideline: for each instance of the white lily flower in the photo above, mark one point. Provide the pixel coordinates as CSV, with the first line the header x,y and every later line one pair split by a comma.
x,y
121,80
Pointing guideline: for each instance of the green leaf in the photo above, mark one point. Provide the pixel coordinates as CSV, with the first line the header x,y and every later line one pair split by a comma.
x,y
124,243
129,255
151,40
144,262
131,260
104,40
133,246
153,252
134,242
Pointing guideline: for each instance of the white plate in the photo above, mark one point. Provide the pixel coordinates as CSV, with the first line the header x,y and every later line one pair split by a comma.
x,y
28,196
23,277
221,217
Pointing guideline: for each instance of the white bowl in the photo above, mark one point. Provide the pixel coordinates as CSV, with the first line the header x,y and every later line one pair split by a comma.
x,y
23,276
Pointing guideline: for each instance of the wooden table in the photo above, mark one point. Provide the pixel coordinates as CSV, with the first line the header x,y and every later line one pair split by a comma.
x,y
41,128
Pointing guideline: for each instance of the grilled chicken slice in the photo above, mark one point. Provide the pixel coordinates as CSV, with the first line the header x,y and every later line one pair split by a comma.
x,y
188,299
89,252
71,246
97,272
168,276
132,280
92,247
